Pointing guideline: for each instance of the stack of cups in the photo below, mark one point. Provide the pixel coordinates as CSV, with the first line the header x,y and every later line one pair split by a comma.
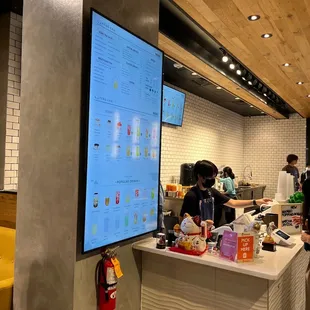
x,y
282,186
290,185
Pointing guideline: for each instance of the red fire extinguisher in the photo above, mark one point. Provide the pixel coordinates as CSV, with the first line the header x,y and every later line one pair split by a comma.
x,y
106,282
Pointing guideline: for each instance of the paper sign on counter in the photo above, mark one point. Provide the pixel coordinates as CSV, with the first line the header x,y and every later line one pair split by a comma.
x,y
245,248
229,245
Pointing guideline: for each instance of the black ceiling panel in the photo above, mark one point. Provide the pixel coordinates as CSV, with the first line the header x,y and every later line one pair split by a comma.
x,y
199,86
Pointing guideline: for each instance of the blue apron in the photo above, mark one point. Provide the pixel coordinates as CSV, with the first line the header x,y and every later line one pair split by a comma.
x,y
206,206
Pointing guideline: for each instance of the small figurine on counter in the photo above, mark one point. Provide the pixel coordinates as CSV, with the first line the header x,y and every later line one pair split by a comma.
x,y
269,243
190,236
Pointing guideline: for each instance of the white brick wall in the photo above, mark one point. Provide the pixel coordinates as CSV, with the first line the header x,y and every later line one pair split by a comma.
x,y
267,142
13,104
208,132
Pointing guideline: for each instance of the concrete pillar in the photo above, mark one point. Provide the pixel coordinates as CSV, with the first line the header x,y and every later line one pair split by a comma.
x,y
49,155
47,275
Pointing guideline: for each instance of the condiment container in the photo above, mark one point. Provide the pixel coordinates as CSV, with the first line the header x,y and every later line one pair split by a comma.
x,y
160,241
211,247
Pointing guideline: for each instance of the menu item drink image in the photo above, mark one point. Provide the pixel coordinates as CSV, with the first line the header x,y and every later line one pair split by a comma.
x,y
107,201
144,218
135,218
128,151
94,229
117,197
126,220
153,193
128,130
137,193
96,200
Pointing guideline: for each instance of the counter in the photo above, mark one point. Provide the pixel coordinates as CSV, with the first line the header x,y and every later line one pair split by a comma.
x,y
172,280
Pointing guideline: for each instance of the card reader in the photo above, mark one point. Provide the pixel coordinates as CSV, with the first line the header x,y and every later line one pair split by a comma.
x,y
282,238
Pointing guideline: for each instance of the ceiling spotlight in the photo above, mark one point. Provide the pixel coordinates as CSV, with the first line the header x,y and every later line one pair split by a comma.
x,y
250,83
237,98
266,35
262,112
308,96
225,58
286,64
178,66
194,73
265,94
299,83
243,78
218,87
251,106
239,72
253,18
232,66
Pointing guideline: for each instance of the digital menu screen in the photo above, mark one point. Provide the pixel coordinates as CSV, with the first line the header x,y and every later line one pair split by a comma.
x,y
173,106
124,134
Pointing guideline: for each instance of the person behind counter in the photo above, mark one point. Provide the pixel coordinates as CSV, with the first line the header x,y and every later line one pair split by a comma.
x,y
205,201
229,191
291,168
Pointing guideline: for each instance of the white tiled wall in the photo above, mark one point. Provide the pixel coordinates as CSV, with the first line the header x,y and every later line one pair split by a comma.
x,y
208,132
13,103
267,143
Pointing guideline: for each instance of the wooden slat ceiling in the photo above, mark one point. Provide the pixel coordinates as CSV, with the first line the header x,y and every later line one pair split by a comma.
x,y
287,20
179,54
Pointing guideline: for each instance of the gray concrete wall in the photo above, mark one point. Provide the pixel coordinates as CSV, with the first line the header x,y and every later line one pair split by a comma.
x,y
47,275
49,155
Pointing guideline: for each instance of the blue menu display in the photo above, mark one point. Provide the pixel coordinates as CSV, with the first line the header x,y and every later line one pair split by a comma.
x,y
124,134
173,106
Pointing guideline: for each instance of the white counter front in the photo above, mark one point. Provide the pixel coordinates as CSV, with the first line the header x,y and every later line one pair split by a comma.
x,y
176,281
269,265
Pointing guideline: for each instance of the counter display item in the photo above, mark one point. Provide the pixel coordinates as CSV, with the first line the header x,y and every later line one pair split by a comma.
x,y
160,241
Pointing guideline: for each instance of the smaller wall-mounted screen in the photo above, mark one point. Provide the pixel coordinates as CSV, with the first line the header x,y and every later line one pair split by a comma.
x,y
173,106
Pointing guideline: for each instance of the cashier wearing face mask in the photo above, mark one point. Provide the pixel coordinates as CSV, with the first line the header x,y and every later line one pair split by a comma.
x,y
203,199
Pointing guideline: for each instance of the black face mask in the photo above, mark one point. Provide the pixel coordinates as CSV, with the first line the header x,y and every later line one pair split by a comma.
x,y
208,183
